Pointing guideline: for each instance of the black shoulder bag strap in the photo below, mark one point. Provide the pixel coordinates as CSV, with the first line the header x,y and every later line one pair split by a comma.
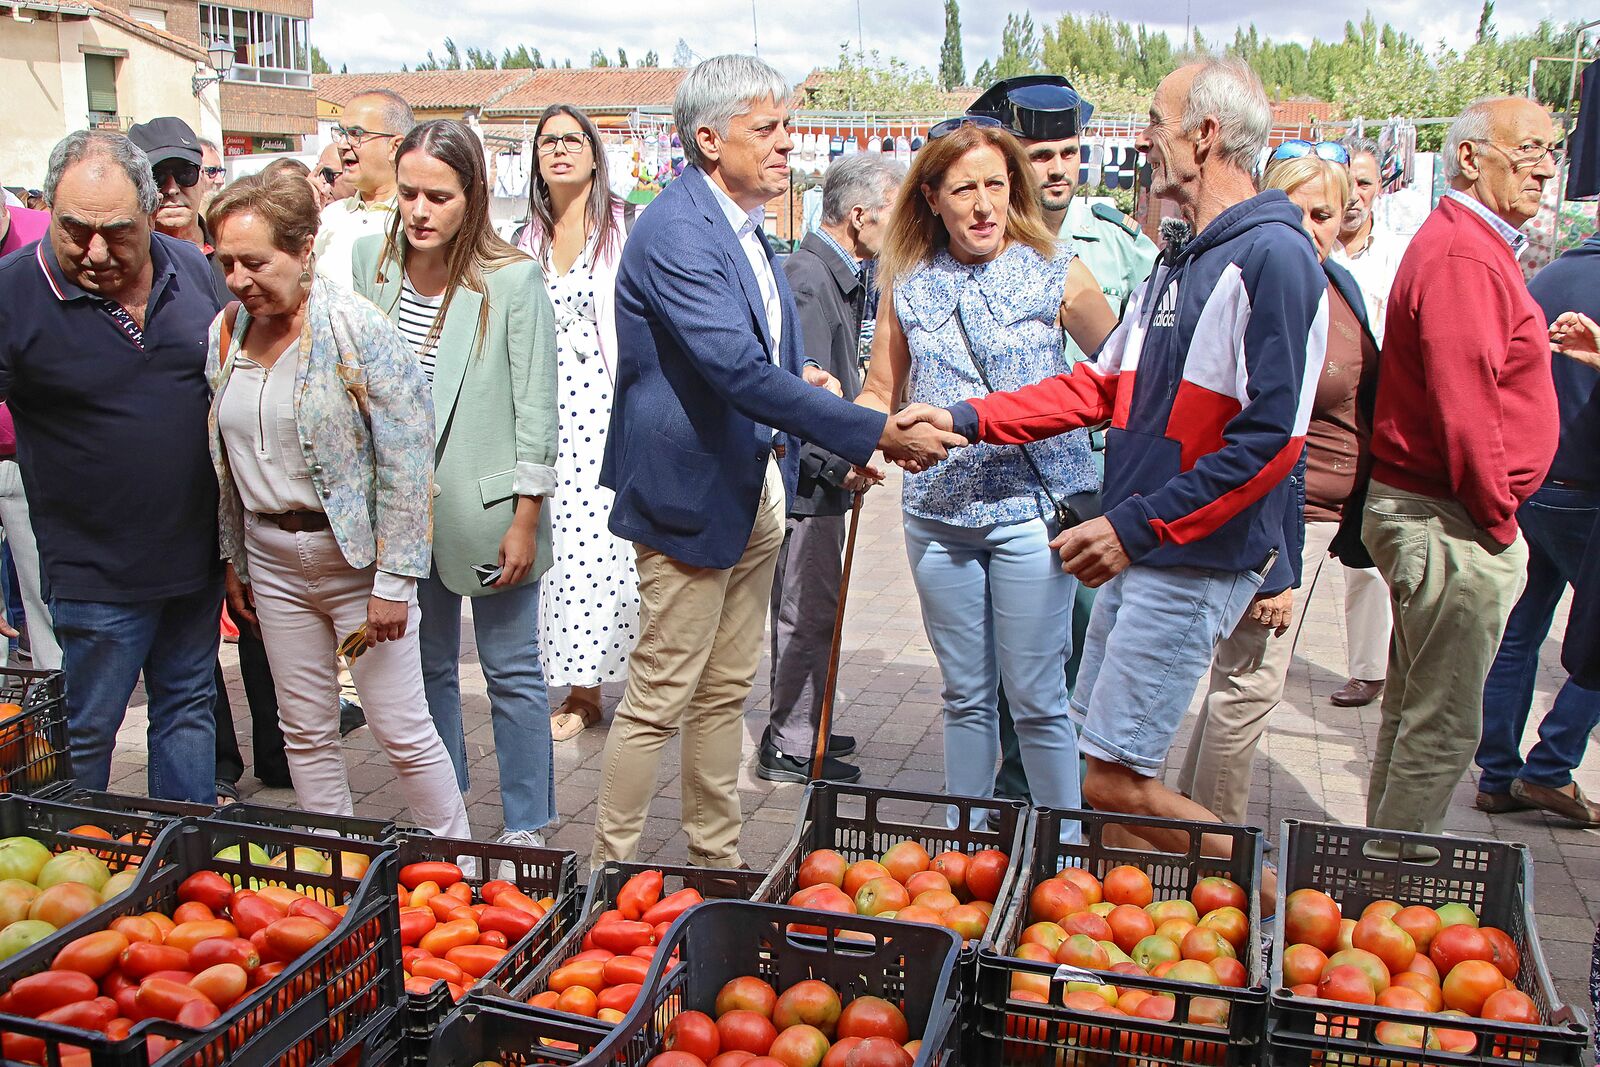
x,y
1066,517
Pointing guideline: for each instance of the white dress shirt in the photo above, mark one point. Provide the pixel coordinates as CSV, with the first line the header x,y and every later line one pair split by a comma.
x,y
343,222
1374,268
747,228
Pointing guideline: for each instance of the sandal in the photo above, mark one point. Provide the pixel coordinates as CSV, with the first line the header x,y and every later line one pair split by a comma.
x,y
572,718
227,793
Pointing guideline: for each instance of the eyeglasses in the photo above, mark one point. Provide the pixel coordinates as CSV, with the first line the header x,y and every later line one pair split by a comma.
x,y
213,172
356,136
1526,155
1332,151
571,143
187,175
328,174
949,126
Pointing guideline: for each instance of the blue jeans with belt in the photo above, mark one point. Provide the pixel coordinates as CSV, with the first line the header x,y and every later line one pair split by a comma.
x,y
173,642
997,606
1556,521
506,627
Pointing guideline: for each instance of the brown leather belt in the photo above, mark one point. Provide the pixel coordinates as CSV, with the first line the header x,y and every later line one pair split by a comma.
x,y
297,521
778,451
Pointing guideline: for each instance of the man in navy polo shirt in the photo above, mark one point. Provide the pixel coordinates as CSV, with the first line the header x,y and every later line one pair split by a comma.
x,y
102,358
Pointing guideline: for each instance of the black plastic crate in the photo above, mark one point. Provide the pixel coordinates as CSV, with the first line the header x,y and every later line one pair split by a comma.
x,y
1494,878
149,807
911,965
295,820
338,1001
850,820
540,872
1019,1032
34,752
512,1034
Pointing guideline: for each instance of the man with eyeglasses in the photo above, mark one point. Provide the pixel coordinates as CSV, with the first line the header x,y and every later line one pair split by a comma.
x,y
175,164
1464,431
215,175
369,133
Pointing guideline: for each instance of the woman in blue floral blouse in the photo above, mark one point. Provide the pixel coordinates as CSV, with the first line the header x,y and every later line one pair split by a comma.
x,y
976,296
322,437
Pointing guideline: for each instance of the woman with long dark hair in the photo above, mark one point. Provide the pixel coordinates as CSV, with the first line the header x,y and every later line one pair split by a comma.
x,y
589,615
475,312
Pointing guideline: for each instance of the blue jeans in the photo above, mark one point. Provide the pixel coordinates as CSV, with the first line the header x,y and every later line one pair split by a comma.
x,y
997,606
1556,523
174,642
1150,640
506,625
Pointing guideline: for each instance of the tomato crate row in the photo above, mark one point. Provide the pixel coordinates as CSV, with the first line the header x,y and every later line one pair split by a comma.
x,y
34,757
1400,948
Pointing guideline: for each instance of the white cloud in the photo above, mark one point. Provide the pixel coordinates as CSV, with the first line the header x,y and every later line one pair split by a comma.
x,y
797,36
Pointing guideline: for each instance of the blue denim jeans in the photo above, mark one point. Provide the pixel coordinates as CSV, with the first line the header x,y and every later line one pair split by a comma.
x,y
1150,641
506,625
997,606
1556,523
174,643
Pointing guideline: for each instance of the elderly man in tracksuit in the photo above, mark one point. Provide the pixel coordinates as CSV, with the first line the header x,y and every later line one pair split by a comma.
x,y
1205,384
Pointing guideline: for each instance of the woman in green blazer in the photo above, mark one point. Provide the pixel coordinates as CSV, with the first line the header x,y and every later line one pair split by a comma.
x,y
476,312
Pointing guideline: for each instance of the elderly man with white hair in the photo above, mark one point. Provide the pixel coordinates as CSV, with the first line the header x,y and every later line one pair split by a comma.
x,y
1464,429
713,400
1205,385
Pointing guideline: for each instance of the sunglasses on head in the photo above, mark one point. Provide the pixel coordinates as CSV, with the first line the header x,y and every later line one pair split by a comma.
x,y
187,175
1332,151
948,126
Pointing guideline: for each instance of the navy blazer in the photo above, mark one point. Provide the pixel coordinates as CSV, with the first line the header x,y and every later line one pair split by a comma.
x,y
698,393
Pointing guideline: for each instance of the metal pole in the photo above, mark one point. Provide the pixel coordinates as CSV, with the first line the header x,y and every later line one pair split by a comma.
x,y
755,33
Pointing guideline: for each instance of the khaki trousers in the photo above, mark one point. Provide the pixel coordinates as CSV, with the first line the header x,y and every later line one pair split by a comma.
x,y
1451,589
699,645
1366,622
1248,671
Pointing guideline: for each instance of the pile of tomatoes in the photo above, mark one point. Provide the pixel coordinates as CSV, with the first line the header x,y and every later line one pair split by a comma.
x,y
952,889
807,1026
449,934
189,967
604,978
1437,962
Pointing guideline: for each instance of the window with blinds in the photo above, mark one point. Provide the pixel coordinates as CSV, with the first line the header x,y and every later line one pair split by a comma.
x,y
268,49
101,74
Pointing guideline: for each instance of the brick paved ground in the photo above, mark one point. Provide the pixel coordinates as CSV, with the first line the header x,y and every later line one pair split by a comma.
x,y
1312,765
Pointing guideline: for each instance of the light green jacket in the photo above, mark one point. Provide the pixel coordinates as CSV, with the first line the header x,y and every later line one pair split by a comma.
x,y
494,406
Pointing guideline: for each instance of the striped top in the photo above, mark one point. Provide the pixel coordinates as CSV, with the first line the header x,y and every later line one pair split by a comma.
x,y
417,315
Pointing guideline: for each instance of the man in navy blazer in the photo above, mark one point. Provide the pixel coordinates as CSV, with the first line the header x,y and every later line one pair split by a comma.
x,y
713,398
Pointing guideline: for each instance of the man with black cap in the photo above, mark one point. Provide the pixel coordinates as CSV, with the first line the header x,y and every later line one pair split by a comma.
x,y
175,157
1048,116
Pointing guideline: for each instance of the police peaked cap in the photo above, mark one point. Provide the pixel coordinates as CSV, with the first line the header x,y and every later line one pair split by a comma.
x,y
1036,107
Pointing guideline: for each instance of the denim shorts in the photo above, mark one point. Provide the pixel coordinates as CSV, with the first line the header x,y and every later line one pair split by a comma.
x,y
1149,643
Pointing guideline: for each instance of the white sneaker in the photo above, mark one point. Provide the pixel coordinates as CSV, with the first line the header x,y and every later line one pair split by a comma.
x,y
519,839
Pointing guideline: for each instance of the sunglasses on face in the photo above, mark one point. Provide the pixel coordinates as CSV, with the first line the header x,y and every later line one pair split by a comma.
x,y
328,174
213,172
949,126
187,175
1332,151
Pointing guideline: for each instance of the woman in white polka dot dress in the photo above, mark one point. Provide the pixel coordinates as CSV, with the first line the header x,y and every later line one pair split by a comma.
x,y
589,607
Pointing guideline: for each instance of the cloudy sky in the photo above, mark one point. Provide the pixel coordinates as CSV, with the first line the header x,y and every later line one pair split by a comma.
x,y
797,35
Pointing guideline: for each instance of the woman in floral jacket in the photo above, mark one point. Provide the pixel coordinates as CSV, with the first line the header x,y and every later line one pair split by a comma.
x,y
322,437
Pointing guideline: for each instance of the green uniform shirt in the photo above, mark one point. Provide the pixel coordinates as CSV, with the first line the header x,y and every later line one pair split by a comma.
x,y
1114,249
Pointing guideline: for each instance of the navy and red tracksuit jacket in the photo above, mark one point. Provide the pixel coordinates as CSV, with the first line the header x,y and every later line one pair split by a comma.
x,y
1207,383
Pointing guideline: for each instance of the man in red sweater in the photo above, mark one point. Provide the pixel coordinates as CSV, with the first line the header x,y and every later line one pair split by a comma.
x,y
1464,430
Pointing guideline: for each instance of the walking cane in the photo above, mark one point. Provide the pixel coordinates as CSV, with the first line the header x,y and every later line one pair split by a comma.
x,y
825,724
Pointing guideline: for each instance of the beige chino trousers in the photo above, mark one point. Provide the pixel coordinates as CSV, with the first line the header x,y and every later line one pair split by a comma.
x,y
700,640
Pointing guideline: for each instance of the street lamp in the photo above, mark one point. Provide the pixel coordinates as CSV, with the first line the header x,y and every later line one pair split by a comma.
x,y
220,55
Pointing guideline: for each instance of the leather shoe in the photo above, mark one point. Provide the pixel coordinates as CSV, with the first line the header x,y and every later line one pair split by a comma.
x,y
1500,803
1577,807
1357,693
839,745
776,766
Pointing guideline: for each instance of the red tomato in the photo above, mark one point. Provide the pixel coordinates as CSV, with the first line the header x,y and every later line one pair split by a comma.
x,y
252,913
676,1059
878,1052
38,993
694,1033
192,911
747,1030
140,960
639,894
208,888
476,960
292,936
619,997
162,998
186,935
874,1017
217,950
222,984
494,939
413,875
92,954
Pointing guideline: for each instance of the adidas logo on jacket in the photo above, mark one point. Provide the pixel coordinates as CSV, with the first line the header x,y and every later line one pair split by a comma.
x,y
1208,384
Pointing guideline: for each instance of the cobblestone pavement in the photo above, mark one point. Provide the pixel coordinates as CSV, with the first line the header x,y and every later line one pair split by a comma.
x,y
1312,765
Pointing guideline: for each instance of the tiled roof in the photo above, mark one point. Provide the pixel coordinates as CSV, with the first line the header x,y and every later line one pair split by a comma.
x,y
425,88
169,41
593,87
1302,112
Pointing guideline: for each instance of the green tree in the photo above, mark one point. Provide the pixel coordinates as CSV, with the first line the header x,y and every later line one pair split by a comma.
x,y
523,58
598,58
650,59
1486,23
682,54
318,64
451,60
1019,48
622,57
871,82
952,68
480,59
